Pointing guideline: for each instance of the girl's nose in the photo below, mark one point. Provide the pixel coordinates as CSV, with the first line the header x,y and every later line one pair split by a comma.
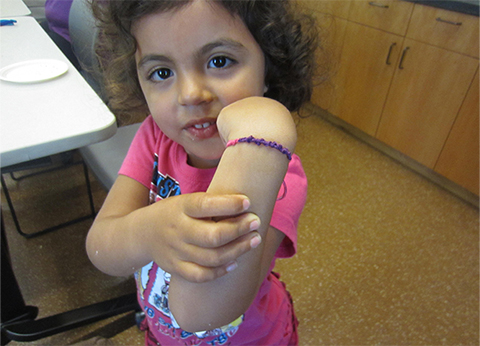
x,y
192,90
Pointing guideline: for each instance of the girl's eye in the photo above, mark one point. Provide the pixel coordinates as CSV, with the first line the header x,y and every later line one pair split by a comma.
x,y
161,74
220,62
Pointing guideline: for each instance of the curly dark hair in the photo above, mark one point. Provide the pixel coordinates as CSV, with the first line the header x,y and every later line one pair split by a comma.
x,y
287,37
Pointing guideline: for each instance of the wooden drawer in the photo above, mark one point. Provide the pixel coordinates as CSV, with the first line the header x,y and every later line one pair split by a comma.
x,y
337,8
445,29
388,15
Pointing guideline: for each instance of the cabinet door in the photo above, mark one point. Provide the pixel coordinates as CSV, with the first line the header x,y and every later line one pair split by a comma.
x,y
332,33
388,15
459,158
426,94
367,65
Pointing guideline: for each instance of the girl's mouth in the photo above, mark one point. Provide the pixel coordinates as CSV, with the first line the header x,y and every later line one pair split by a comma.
x,y
203,130
202,126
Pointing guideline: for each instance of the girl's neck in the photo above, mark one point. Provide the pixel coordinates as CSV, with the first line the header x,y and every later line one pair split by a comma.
x,y
196,162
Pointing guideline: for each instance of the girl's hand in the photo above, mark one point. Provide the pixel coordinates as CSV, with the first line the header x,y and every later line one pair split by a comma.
x,y
199,236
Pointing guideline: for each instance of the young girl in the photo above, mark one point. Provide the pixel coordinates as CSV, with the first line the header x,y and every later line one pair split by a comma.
x,y
210,193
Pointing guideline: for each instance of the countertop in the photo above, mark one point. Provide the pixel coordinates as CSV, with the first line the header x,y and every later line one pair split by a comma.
x,y
463,6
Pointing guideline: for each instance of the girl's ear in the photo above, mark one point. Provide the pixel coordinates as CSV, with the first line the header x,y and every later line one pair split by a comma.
x,y
265,89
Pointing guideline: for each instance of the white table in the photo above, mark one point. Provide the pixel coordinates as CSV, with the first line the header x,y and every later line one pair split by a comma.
x,y
13,8
38,120
45,118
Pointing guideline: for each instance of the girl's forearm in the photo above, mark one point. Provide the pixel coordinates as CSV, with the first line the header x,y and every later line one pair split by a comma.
x,y
114,248
116,241
213,304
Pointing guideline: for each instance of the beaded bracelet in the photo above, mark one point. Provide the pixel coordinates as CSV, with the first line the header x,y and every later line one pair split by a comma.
x,y
259,142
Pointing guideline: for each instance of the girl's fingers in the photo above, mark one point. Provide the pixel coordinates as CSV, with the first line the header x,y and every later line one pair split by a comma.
x,y
198,274
215,234
211,234
204,205
224,255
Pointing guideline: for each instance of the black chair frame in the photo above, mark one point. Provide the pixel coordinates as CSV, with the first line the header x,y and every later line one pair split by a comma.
x,y
66,160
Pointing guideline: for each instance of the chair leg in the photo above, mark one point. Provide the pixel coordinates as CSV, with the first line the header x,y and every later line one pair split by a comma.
x,y
12,209
62,225
89,189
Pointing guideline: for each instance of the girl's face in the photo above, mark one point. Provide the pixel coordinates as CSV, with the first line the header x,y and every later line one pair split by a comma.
x,y
191,63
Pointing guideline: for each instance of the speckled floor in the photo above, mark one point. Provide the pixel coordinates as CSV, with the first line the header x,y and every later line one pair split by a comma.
x,y
385,257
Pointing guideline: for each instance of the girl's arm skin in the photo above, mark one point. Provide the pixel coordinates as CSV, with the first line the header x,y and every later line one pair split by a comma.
x,y
177,233
253,171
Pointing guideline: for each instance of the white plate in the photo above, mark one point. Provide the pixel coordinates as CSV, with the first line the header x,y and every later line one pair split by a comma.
x,y
32,71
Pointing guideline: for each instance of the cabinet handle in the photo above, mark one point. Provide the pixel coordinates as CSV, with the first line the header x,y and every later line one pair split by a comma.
x,y
448,21
390,53
373,3
400,65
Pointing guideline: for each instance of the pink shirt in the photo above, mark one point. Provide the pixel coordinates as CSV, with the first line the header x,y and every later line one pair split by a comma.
x,y
161,165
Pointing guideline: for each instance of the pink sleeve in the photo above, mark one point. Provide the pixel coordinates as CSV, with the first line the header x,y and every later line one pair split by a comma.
x,y
138,163
288,209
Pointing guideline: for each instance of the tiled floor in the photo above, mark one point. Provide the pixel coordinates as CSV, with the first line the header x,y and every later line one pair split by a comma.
x,y
385,257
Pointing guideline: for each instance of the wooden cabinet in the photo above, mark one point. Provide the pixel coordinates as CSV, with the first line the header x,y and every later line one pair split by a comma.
x,y
430,83
367,65
459,158
404,73
425,96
